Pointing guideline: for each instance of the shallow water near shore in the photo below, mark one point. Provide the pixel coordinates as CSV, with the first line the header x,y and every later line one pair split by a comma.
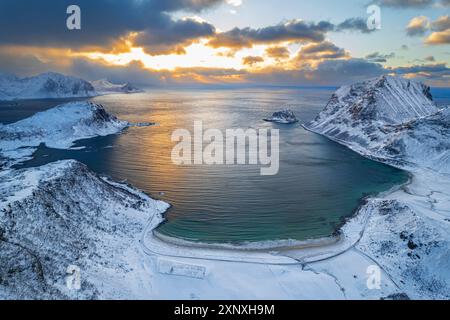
x,y
319,183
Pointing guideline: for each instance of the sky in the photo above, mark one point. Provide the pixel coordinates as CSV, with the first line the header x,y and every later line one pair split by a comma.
x,y
228,42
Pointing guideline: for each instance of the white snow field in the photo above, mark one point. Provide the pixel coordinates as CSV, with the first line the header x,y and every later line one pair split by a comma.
x,y
62,214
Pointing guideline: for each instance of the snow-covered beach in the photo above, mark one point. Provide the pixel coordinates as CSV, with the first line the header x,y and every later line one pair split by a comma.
x,y
106,228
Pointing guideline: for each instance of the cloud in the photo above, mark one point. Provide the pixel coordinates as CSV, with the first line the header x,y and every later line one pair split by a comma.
x,y
327,73
441,31
354,24
441,23
438,71
294,30
177,35
380,58
406,3
321,51
438,38
417,26
252,60
278,52
103,21
353,70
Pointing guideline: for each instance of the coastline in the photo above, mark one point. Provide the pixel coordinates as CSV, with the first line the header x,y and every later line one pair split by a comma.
x,y
269,246
346,236
416,208
403,231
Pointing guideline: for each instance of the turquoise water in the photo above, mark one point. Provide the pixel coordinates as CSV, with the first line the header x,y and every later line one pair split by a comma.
x,y
318,185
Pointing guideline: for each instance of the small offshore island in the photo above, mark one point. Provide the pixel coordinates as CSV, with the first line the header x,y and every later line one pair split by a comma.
x,y
283,117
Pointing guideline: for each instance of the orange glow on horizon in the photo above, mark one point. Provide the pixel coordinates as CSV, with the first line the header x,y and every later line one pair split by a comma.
x,y
197,55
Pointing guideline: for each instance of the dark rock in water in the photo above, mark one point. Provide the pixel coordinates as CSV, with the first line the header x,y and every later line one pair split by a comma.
x,y
284,117
143,124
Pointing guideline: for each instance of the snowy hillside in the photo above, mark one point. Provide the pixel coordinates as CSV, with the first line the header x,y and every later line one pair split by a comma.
x,y
62,215
394,120
424,142
105,87
389,119
46,85
58,127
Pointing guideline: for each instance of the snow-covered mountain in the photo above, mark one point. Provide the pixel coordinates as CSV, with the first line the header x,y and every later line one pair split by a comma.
x,y
62,217
390,119
423,142
57,127
395,121
46,85
103,86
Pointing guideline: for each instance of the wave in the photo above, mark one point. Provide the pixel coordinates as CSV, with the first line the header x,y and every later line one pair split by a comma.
x,y
253,245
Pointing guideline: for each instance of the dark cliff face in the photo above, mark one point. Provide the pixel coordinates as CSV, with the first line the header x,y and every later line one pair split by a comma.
x,y
82,87
427,92
100,115
75,87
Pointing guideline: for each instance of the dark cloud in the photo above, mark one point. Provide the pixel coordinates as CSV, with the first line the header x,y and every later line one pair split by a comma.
x,y
294,30
349,70
437,74
380,58
406,3
103,21
327,73
278,52
354,24
441,23
320,51
176,35
440,69
252,60
23,65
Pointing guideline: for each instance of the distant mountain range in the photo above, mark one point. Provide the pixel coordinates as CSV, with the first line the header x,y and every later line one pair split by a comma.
x,y
103,86
54,85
